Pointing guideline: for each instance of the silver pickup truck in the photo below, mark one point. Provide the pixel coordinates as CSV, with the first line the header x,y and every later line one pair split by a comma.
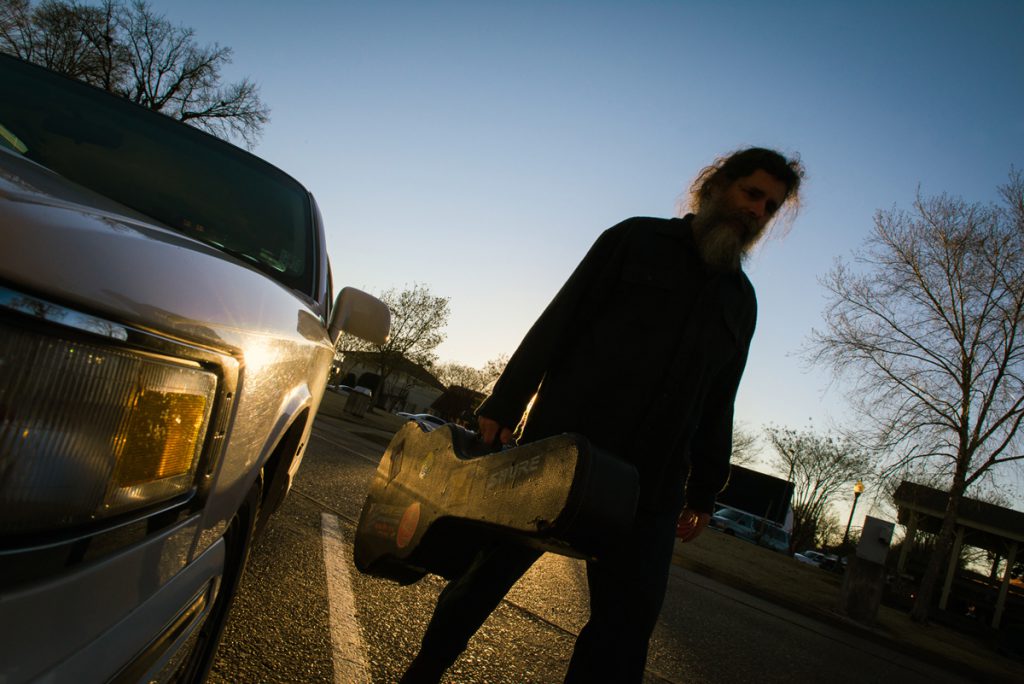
x,y
167,326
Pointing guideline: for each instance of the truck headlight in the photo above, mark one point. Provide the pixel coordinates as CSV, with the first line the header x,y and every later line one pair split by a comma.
x,y
89,431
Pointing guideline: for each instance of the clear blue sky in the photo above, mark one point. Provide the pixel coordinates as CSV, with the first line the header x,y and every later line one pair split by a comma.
x,y
480,147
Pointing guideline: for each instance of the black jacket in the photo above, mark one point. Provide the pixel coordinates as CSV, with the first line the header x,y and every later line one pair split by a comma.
x,y
641,351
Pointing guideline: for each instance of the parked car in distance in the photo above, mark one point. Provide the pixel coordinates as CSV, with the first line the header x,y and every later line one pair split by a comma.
x,y
426,421
749,527
834,563
815,558
167,326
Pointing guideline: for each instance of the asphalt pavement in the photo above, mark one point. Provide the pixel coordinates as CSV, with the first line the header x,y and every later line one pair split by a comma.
x,y
281,627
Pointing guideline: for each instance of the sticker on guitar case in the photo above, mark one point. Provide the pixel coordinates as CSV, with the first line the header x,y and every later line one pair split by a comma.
x,y
407,525
428,463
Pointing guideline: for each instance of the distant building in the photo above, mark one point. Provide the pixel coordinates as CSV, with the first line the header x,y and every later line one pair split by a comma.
x,y
408,387
458,404
759,494
978,524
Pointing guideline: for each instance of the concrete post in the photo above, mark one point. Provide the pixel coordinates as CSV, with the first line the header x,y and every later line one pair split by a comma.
x,y
954,556
864,580
1011,558
908,541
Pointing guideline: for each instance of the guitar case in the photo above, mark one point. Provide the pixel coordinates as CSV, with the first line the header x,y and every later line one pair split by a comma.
x,y
439,496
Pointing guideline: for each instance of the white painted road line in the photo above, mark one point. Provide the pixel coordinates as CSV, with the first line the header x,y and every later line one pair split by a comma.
x,y
346,638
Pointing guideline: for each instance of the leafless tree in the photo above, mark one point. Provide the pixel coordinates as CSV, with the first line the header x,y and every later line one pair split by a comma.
x,y
456,374
492,370
477,379
821,468
744,446
130,50
49,34
418,319
928,324
829,532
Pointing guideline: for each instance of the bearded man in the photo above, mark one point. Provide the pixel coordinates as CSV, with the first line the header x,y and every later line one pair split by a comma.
x,y
666,298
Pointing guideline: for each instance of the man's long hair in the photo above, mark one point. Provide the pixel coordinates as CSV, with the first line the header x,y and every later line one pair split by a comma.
x,y
742,163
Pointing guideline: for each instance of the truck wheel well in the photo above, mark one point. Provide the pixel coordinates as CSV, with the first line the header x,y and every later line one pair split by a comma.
x,y
275,470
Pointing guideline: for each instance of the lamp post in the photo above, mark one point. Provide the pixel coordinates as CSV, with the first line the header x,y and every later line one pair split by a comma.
x,y
857,490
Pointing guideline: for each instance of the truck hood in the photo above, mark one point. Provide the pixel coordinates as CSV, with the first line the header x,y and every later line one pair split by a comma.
x,y
79,249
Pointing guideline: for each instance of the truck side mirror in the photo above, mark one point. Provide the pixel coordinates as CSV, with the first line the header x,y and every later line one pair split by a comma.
x,y
360,314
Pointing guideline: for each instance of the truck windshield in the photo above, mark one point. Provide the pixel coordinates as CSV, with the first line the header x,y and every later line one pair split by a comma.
x,y
184,178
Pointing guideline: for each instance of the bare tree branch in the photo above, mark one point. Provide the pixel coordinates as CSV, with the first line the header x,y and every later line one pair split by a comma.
x,y
476,379
130,50
745,446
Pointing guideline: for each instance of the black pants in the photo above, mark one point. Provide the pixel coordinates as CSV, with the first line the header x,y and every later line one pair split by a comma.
x,y
627,588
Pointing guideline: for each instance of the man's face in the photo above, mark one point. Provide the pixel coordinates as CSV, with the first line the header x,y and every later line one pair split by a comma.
x,y
732,218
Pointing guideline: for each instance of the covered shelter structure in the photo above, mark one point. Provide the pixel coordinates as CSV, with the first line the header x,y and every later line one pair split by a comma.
x,y
979,524
759,494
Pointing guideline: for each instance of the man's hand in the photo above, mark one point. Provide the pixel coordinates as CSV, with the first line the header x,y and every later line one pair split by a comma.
x,y
490,431
691,524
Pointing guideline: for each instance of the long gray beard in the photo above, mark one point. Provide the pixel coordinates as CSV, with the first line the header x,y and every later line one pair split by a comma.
x,y
721,248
